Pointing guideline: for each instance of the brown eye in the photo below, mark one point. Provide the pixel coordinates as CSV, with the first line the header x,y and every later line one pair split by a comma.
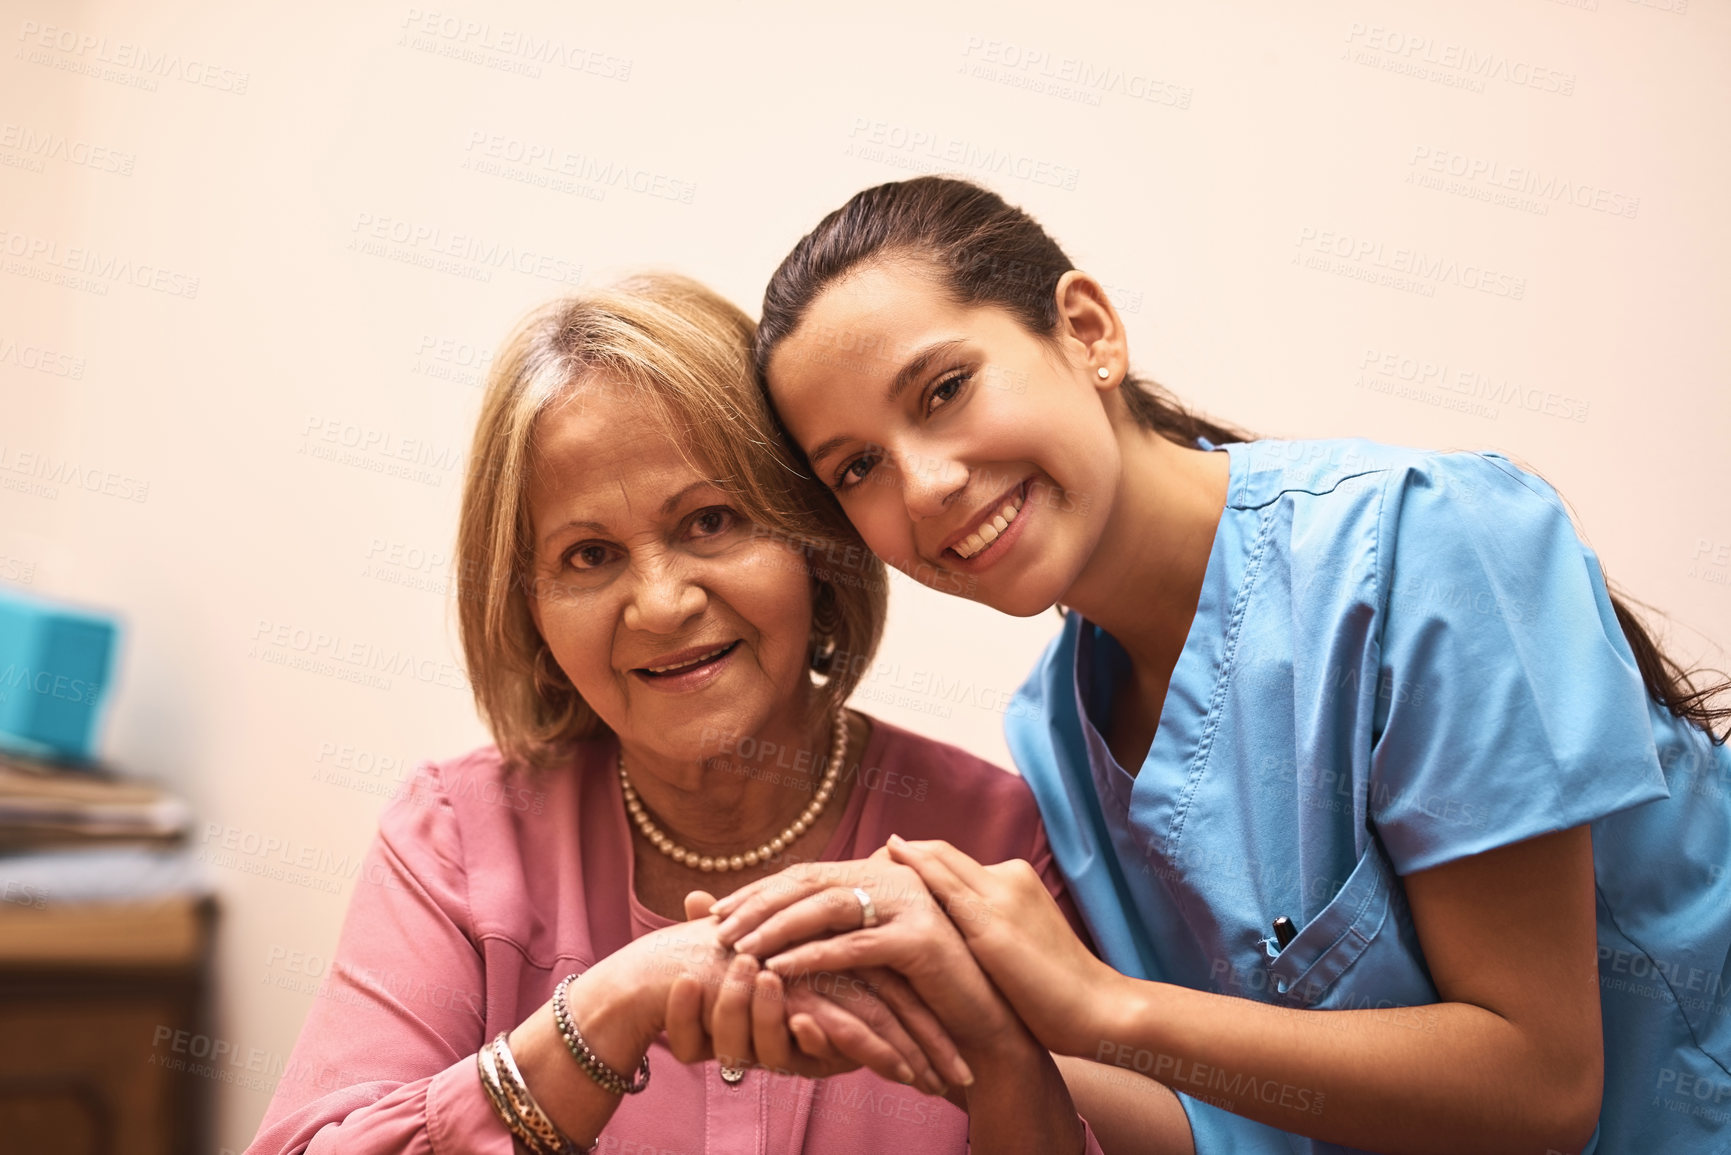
x,y
589,556
946,390
855,471
715,520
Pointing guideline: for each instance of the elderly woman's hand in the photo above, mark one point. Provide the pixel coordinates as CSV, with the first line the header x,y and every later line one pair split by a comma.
x,y
809,919
730,1009
672,980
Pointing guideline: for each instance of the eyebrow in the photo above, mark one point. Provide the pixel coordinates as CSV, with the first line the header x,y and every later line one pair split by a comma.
x,y
667,507
915,368
589,526
672,503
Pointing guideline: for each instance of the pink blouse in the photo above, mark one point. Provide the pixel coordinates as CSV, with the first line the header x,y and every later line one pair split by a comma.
x,y
482,890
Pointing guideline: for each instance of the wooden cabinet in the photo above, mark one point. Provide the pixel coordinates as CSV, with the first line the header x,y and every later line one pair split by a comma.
x,y
91,1000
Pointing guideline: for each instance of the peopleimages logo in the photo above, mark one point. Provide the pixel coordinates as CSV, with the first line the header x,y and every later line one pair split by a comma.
x,y
90,268
1369,258
1516,186
1461,387
921,149
504,48
349,659
49,472
40,146
122,61
1066,77
39,359
47,684
443,250
496,154
1445,62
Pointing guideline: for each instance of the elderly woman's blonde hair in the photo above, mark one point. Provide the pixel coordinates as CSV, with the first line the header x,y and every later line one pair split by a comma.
x,y
685,353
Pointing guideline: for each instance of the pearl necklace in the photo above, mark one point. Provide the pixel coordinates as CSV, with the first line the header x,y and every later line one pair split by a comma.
x,y
764,853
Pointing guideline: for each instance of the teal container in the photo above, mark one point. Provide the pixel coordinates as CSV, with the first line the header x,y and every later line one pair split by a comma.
x,y
55,663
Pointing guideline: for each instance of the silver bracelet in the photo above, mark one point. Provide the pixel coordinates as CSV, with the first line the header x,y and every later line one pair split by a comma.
x,y
516,1106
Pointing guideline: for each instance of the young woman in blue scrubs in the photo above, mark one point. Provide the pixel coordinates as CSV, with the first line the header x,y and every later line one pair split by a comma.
x,y
1392,827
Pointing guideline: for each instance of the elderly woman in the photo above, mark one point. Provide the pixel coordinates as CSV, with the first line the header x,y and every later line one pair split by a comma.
x,y
661,635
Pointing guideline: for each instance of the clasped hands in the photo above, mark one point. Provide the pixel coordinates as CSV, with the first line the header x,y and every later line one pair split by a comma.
x,y
909,997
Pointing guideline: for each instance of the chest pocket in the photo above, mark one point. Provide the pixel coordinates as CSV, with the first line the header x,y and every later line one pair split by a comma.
x,y
1360,951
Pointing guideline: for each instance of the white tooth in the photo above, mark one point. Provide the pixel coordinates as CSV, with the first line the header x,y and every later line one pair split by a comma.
x,y
1000,523
988,534
682,665
975,543
1009,512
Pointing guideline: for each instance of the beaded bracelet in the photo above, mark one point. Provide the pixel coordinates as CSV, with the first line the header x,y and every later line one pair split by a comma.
x,y
516,1106
606,1077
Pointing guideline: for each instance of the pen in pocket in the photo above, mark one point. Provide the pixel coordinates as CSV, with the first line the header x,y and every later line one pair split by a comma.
x,y
1284,931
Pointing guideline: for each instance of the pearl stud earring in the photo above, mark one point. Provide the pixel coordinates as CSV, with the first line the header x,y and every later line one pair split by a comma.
x,y
1104,372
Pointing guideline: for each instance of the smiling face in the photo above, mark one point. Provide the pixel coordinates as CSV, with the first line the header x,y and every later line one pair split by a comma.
x,y
672,617
969,453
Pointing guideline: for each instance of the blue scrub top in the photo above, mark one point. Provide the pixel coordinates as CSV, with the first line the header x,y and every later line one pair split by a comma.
x,y
1399,659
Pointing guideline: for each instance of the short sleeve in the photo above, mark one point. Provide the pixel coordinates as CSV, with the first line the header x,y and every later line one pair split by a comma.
x,y
1214,1131
1509,703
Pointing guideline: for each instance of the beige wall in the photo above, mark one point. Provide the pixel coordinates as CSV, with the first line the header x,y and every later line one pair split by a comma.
x,y
1200,158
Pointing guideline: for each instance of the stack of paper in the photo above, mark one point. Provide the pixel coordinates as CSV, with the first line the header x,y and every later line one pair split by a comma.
x,y
44,805
94,871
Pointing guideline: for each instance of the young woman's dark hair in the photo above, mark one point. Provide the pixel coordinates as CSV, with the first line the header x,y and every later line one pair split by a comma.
x,y
988,252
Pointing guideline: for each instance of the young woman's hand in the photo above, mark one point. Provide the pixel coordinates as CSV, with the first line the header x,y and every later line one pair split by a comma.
x,y
1018,934
809,920
813,901
1018,1101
